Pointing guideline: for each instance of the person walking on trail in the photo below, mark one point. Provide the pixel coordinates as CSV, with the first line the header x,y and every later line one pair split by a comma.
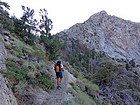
x,y
58,67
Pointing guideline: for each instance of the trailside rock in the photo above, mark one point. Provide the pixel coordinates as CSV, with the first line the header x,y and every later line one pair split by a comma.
x,y
6,95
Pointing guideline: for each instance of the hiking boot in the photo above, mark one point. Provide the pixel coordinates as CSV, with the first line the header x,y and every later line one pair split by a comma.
x,y
58,87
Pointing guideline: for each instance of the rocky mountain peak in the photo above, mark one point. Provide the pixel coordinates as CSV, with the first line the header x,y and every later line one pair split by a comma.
x,y
116,37
98,15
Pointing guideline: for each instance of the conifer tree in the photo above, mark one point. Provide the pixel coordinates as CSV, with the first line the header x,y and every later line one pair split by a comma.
x,y
28,19
45,24
5,20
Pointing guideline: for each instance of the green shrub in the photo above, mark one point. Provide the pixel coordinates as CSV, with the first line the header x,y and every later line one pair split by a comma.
x,y
16,52
92,87
105,71
52,46
28,64
17,71
42,81
70,102
82,91
20,74
27,49
20,86
16,75
15,47
80,97
39,51
107,102
10,63
41,65
29,38
83,99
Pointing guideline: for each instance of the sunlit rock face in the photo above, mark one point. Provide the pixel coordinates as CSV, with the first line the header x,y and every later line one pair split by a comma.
x,y
116,37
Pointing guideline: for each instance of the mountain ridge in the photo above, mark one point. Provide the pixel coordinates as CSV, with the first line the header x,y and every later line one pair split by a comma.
x,y
116,37
106,49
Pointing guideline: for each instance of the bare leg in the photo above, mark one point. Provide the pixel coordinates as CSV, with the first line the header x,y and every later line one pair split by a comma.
x,y
57,81
60,80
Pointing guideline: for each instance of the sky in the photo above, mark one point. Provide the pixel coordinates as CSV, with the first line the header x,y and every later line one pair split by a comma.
x,y
66,13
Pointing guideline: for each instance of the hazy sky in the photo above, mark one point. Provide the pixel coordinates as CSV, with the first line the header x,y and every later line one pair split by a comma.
x,y
65,13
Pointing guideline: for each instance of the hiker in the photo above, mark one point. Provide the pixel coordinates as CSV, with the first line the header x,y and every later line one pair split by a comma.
x,y
58,67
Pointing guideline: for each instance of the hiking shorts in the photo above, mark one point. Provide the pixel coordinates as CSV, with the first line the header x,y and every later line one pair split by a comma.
x,y
59,75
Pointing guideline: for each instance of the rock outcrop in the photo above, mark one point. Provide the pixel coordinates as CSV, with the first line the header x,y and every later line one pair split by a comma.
x,y
116,37
6,95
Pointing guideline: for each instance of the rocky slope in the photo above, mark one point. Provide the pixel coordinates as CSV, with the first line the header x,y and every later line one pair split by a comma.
x,y
6,94
16,91
116,37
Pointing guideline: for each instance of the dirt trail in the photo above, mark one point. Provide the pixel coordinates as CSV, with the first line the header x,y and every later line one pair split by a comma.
x,y
58,96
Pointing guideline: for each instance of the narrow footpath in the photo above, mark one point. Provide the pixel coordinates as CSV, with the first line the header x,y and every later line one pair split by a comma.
x,y
58,96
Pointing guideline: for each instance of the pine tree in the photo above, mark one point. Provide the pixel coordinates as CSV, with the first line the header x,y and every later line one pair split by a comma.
x,y
45,24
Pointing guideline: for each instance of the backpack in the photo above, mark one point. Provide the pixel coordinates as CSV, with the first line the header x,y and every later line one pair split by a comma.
x,y
57,66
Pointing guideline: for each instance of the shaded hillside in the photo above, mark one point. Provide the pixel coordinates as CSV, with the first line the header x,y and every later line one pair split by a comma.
x,y
31,78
